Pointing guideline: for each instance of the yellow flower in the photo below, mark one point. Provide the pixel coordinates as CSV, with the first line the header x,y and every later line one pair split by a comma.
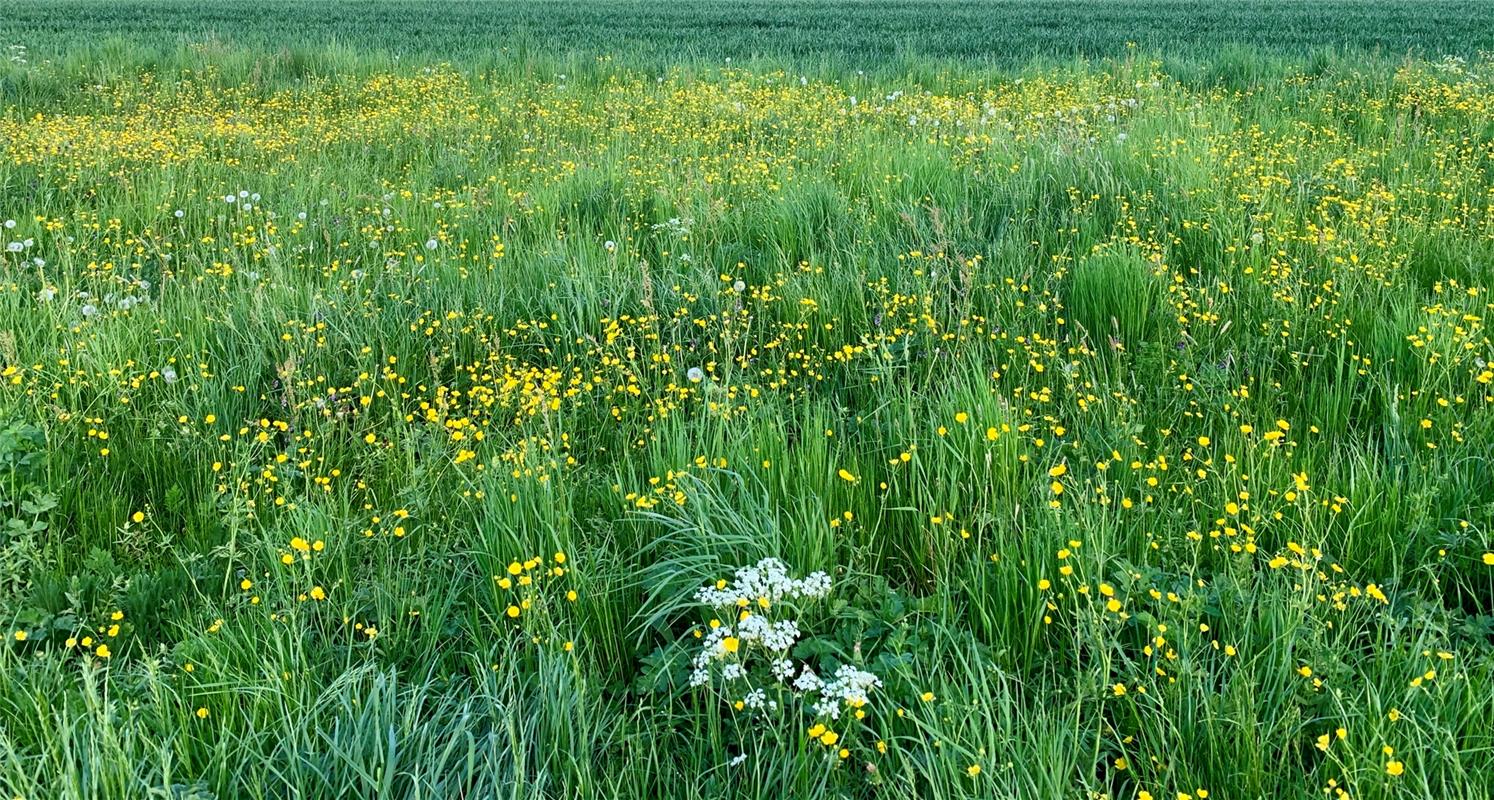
x,y
102,651
928,697
1058,471
20,636
138,516
202,713
829,737
1489,559
846,476
730,644
972,770
1394,768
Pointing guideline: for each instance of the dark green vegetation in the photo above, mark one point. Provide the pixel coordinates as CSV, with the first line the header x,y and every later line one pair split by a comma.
x,y
367,423
813,32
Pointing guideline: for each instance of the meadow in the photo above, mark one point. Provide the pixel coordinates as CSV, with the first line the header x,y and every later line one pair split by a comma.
x,y
994,400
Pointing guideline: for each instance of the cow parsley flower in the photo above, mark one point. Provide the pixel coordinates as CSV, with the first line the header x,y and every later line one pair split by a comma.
x,y
747,658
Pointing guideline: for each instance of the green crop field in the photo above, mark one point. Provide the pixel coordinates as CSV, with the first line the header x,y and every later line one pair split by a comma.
x,y
811,32
831,399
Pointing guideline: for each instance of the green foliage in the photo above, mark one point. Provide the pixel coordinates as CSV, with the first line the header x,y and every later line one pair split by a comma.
x,y
1125,365
1119,299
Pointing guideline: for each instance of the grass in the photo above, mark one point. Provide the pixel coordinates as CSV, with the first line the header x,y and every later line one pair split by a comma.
x,y
369,424
815,33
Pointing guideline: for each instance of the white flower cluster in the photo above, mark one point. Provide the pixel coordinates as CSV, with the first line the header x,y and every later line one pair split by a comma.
x,y
764,583
675,226
751,599
851,687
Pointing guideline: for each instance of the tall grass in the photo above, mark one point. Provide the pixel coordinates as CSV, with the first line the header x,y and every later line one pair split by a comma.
x,y
1137,408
